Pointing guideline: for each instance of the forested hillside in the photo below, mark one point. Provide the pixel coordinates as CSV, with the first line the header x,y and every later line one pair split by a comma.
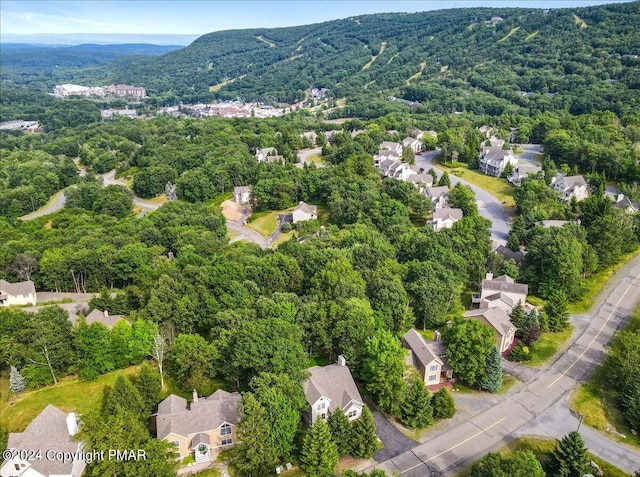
x,y
487,60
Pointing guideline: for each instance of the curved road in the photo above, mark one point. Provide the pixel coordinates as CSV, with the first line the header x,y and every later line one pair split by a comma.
x,y
488,205
539,406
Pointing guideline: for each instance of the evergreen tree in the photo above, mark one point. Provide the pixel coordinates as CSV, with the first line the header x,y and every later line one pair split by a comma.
x,y
493,372
123,397
444,180
443,404
363,435
17,383
340,429
518,318
556,310
319,456
253,455
416,411
148,386
630,403
432,172
569,458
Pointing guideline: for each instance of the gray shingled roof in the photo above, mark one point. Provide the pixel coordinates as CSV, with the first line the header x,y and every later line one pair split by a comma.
x,y
495,154
497,317
333,382
47,431
446,212
306,208
241,190
504,283
422,177
99,316
552,223
500,296
205,415
19,288
420,350
435,192
507,253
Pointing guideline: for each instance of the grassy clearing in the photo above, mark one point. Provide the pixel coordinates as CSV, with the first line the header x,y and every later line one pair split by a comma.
x,y
579,21
283,237
500,188
383,45
417,75
594,284
507,383
531,36
264,223
220,198
219,86
315,158
158,200
548,344
513,30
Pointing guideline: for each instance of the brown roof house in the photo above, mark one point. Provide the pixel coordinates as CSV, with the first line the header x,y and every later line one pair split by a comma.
x,y
501,292
201,429
497,319
429,358
21,293
50,433
329,388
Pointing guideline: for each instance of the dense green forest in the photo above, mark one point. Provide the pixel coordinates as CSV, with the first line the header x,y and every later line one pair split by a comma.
x,y
531,61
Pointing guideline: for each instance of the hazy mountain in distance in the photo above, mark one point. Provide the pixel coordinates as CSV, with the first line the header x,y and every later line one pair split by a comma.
x,y
97,39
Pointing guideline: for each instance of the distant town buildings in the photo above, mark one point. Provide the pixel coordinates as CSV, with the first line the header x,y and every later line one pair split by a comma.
x,y
65,90
20,125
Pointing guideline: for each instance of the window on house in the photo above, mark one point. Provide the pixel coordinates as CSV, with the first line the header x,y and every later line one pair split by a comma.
x,y
433,367
323,415
176,443
225,430
16,466
321,406
433,377
352,413
227,442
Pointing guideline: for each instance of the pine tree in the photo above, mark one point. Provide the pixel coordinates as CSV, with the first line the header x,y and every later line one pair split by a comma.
x,y
319,456
340,429
556,310
416,410
518,318
17,383
493,373
443,404
570,456
123,397
444,180
630,403
363,435
253,455
148,386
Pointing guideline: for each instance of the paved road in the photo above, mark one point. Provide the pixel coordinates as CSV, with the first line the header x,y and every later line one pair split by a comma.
x,y
304,153
57,204
245,233
539,406
529,154
488,205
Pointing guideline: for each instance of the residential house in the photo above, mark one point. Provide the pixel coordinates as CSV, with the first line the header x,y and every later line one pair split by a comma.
x,y
126,90
422,181
625,203
329,388
50,433
329,134
417,133
384,154
439,196
303,212
493,142
20,125
357,132
202,428
429,358
498,320
414,144
494,160
392,146
110,113
486,131
262,154
570,186
509,254
242,195
97,316
312,136
445,217
395,169
20,293
521,172
501,292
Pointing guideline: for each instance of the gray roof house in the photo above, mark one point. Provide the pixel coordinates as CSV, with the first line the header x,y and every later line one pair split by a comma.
x,y
498,319
51,431
304,211
428,358
521,172
262,154
392,146
422,181
570,186
493,160
20,293
201,429
414,144
98,316
439,196
242,194
329,388
501,292
509,254
626,204
445,217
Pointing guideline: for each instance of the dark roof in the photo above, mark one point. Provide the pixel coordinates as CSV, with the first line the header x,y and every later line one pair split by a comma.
x,y
496,317
507,253
420,351
333,382
205,415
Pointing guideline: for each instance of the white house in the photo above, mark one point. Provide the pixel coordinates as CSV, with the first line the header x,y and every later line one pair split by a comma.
x,y
501,292
521,172
395,169
445,217
262,154
570,186
21,293
494,160
438,196
392,146
422,181
303,212
329,388
51,433
384,154
242,195
412,143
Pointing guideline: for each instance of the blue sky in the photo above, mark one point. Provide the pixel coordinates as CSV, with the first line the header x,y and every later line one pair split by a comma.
x,y
198,17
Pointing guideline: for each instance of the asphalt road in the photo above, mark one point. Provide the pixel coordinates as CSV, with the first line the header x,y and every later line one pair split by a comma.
x,y
539,407
488,205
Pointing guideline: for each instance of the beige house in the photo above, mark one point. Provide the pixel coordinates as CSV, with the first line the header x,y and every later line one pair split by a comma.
x,y
329,388
429,358
201,429
412,143
392,146
49,434
21,293
494,160
499,321
264,153
501,292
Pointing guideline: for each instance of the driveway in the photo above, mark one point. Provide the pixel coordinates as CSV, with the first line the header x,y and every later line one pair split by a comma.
x,y
394,441
529,154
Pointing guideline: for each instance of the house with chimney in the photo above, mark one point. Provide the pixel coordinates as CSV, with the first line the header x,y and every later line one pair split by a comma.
x,y
329,388
502,292
50,433
521,172
19,293
570,186
445,217
428,357
103,317
202,428
494,160
498,320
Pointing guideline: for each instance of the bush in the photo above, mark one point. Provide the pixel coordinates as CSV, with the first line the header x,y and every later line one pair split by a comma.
x,y
443,404
520,353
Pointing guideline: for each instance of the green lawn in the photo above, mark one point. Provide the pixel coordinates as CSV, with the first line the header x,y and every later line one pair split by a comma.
x,y
283,237
265,223
542,448
500,188
315,158
594,284
220,198
543,349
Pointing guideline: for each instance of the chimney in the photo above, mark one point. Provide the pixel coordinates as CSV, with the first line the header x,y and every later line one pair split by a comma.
x,y
72,424
489,276
341,361
437,335
449,324
106,313
195,396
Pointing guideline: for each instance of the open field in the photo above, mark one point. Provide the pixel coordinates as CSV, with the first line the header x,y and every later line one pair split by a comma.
x,y
265,223
546,346
513,30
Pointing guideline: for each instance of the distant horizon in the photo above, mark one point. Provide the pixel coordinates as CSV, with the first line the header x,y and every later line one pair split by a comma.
x,y
28,21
